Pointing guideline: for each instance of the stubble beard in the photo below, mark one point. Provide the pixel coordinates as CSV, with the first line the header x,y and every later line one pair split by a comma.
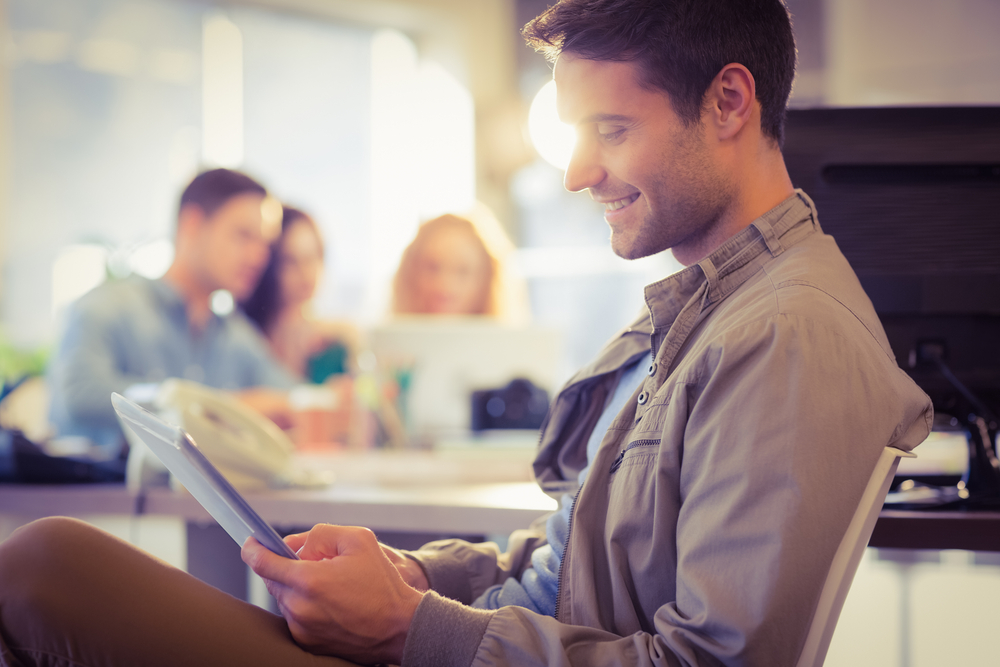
x,y
700,197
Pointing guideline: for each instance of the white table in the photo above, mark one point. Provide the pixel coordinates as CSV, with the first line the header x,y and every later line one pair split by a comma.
x,y
450,501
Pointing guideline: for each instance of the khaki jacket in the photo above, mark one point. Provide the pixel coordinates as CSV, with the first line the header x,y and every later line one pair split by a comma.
x,y
721,490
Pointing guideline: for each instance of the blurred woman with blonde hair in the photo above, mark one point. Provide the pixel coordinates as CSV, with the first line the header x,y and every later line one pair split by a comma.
x,y
455,267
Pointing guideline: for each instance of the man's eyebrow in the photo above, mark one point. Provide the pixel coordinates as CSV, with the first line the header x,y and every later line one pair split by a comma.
x,y
607,118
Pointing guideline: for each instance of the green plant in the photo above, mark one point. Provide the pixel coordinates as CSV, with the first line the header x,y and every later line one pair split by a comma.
x,y
17,362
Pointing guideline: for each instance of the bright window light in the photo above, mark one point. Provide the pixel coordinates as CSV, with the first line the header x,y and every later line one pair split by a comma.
x,y
77,270
552,138
152,260
222,92
442,142
394,191
422,148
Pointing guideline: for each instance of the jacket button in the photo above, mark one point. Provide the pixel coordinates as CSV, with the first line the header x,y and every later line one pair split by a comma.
x,y
652,370
643,397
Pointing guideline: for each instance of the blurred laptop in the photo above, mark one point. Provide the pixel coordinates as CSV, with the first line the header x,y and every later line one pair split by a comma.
x,y
449,358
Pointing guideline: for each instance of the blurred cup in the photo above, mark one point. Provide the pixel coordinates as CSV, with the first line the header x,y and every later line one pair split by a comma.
x,y
315,412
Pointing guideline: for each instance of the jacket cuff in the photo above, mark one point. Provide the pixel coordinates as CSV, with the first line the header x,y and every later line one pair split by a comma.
x,y
444,633
446,574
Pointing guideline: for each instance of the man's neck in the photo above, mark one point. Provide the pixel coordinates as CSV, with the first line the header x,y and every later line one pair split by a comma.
x,y
197,300
759,189
767,185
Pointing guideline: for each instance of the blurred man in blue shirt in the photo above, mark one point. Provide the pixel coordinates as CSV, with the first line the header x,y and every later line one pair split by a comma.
x,y
137,330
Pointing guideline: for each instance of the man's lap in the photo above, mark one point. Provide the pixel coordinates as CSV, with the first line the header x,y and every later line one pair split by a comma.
x,y
70,593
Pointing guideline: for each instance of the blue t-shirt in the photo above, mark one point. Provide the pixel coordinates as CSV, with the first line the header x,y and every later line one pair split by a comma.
x,y
136,330
539,585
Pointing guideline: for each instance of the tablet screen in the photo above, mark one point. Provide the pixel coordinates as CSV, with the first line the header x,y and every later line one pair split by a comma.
x,y
180,454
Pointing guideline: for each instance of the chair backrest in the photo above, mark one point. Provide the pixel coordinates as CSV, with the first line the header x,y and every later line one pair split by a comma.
x,y
848,557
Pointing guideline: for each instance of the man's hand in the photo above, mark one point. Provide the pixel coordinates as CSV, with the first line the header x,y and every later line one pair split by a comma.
x,y
409,569
344,598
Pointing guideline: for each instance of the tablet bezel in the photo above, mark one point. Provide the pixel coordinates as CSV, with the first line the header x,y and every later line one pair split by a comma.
x,y
182,457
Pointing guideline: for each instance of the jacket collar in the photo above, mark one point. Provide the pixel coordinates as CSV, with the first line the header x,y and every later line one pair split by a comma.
x,y
731,264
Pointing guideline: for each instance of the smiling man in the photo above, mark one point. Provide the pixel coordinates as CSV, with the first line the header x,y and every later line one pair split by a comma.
x,y
711,457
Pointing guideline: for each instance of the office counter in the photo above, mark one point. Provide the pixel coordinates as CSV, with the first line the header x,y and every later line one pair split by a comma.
x,y
909,599
404,495
473,509
460,509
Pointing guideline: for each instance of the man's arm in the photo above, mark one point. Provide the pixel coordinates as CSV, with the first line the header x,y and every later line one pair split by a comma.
x,y
462,570
85,369
262,368
346,598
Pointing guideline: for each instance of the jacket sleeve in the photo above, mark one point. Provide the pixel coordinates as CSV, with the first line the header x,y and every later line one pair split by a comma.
x,y
781,423
462,570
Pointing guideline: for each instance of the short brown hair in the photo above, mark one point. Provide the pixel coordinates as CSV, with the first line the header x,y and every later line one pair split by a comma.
x,y
680,45
210,190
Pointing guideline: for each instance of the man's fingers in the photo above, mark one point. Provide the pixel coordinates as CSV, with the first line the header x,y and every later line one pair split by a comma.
x,y
264,562
327,541
320,543
296,541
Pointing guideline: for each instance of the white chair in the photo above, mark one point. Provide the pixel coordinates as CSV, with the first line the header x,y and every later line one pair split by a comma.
x,y
847,558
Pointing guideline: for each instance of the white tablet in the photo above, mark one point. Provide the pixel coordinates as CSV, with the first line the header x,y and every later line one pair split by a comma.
x,y
180,454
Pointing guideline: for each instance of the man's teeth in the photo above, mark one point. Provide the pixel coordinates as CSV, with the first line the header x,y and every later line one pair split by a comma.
x,y
621,203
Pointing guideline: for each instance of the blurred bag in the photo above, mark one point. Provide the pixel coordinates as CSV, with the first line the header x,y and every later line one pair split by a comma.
x,y
24,462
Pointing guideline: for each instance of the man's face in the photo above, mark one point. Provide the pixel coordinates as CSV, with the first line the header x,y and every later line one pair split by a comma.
x,y
232,246
657,178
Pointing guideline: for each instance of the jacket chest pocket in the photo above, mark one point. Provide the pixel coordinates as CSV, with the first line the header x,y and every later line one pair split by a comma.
x,y
636,452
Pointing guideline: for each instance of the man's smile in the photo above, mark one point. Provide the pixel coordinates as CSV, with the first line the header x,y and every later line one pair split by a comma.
x,y
620,203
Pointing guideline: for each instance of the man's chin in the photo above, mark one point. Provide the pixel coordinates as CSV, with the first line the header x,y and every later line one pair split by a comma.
x,y
637,247
627,250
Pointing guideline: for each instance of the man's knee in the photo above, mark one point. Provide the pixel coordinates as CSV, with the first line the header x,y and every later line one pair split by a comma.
x,y
33,551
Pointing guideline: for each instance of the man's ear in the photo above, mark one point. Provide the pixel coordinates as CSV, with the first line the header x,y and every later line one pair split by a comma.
x,y
730,100
190,219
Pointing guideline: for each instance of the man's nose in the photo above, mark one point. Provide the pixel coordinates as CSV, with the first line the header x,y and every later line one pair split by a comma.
x,y
584,169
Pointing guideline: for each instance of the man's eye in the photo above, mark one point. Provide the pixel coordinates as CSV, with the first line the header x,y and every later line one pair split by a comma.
x,y
610,133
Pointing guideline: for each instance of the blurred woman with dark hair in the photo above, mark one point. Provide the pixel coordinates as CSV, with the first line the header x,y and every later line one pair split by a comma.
x,y
281,304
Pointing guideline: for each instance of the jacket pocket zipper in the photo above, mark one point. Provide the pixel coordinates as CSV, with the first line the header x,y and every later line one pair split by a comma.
x,y
638,443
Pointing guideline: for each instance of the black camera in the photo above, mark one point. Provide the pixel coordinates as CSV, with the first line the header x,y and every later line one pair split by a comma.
x,y
520,405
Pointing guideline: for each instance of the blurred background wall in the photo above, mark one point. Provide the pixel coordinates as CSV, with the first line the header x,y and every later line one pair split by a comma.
x,y
373,115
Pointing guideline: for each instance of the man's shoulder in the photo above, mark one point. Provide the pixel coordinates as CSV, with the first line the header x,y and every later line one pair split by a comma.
x,y
812,282
814,278
120,295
